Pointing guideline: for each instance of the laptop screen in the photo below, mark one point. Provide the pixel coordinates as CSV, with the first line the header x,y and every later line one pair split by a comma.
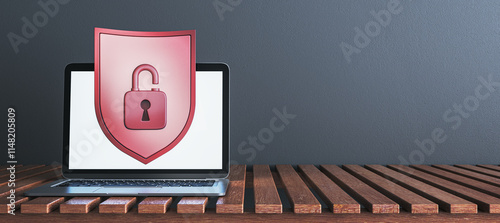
x,y
201,148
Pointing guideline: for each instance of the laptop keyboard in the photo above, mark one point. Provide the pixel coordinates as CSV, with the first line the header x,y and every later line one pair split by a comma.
x,y
137,183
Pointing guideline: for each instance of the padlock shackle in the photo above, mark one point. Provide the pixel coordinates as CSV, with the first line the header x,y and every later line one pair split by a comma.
x,y
138,70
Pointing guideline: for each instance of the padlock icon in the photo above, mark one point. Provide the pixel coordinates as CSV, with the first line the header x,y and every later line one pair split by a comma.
x,y
145,109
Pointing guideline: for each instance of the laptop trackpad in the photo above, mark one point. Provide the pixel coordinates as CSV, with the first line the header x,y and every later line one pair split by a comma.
x,y
127,190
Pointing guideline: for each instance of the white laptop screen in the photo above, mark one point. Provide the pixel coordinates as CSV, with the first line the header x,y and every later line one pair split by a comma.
x,y
201,147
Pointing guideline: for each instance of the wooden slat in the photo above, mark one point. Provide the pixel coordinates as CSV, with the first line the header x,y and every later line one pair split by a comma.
x,y
446,201
19,169
468,182
266,195
32,182
301,198
492,167
237,173
232,202
117,205
41,205
6,205
471,174
28,174
409,200
488,172
4,171
79,205
337,199
157,205
192,205
275,175
287,217
373,200
484,201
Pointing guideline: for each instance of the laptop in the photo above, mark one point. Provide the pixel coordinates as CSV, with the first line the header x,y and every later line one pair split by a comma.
x,y
92,166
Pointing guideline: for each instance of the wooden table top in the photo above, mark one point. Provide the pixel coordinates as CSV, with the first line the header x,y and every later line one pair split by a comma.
x,y
347,193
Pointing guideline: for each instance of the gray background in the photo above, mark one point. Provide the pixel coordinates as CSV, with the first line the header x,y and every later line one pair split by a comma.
x,y
287,53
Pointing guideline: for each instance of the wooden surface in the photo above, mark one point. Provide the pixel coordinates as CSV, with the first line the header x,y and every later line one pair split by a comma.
x,y
484,201
492,167
466,181
79,205
192,205
154,205
20,175
5,172
267,200
301,198
233,202
41,205
337,200
275,191
26,184
373,200
446,201
237,173
18,169
287,216
471,174
480,170
409,200
5,204
274,175
117,205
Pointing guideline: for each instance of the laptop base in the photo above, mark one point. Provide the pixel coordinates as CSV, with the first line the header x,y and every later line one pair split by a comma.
x,y
51,189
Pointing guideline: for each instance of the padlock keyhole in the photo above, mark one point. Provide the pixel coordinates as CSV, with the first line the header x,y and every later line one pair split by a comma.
x,y
145,105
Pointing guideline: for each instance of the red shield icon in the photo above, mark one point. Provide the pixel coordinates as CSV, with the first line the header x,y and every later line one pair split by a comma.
x,y
144,89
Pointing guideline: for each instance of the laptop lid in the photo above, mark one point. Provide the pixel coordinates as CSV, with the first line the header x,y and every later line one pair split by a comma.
x,y
202,153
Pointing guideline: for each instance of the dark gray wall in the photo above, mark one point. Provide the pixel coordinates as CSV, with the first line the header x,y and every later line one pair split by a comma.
x,y
395,90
